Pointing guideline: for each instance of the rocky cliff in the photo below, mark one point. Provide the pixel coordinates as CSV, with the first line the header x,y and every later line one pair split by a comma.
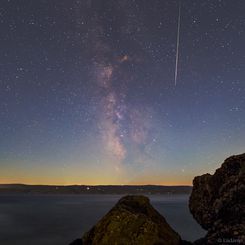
x,y
217,202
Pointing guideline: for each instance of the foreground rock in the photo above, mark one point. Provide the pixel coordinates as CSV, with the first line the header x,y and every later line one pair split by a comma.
x,y
132,221
217,202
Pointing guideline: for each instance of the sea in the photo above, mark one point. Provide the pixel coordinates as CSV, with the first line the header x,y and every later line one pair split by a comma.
x,y
60,219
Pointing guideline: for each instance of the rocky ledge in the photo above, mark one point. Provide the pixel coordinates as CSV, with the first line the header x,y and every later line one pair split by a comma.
x,y
217,202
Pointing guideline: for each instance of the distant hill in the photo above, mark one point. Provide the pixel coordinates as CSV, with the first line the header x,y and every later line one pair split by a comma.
x,y
98,189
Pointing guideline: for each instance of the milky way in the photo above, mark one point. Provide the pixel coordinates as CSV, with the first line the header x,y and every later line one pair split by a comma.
x,y
119,123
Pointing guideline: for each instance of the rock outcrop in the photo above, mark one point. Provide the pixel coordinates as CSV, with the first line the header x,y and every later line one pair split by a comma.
x,y
132,221
217,202
77,242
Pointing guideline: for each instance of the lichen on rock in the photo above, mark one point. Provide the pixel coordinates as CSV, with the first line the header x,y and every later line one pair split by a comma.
x,y
132,221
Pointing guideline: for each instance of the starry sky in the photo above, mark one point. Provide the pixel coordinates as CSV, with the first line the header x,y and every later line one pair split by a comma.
x,y
87,90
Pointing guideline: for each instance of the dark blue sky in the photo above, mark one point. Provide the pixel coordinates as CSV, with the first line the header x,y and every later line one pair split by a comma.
x,y
88,95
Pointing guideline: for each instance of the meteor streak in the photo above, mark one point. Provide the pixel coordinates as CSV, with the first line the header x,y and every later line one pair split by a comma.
x,y
177,48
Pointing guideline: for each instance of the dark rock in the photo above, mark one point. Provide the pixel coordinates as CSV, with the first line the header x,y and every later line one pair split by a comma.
x,y
132,221
183,242
77,242
217,202
201,241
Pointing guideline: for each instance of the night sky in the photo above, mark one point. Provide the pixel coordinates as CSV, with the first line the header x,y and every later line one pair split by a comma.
x,y
87,90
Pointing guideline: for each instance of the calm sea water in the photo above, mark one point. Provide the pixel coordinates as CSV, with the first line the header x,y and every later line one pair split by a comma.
x,y
58,220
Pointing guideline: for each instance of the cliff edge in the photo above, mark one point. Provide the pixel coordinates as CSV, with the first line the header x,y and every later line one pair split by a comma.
x,y
217,202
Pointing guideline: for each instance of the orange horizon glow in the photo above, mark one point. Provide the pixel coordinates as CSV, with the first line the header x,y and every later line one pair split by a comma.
x,y
95,183
92,177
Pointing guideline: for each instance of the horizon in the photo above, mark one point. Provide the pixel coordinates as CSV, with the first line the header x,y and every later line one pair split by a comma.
x,y
92,185
120,92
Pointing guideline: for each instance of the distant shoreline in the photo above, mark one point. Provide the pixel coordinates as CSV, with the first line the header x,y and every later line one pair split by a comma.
x,y
93,189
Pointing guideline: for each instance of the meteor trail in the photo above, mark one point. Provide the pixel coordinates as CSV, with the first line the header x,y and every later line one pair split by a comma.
x,y
177,48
